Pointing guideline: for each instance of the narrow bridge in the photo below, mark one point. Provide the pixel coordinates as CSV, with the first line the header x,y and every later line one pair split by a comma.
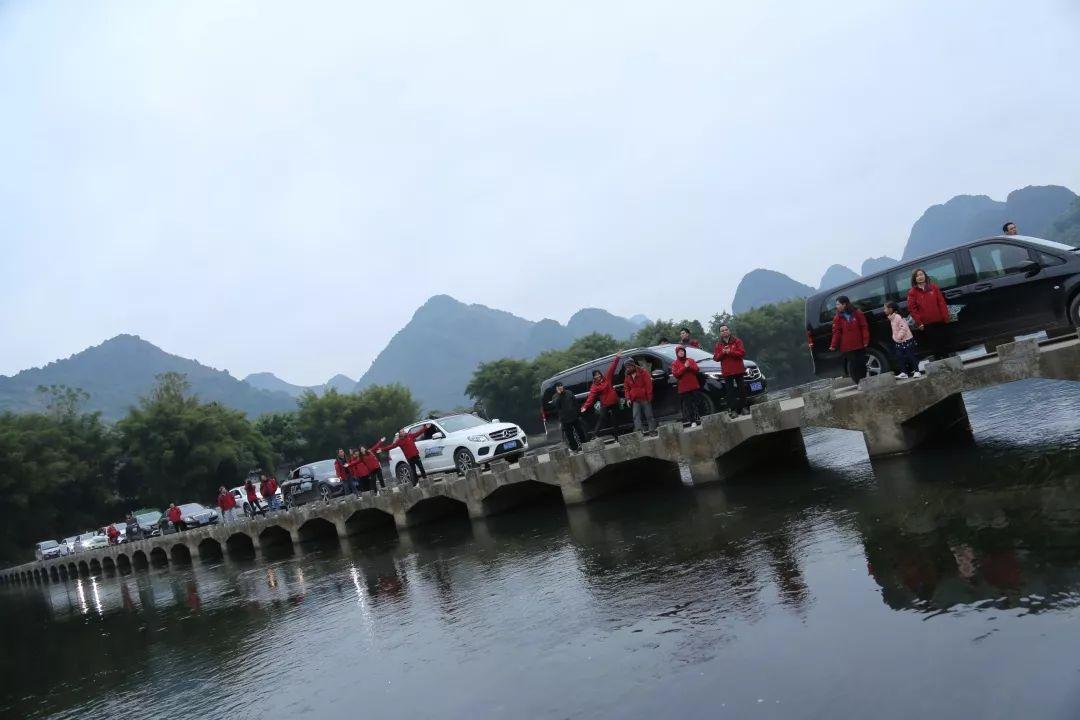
x,y
893,416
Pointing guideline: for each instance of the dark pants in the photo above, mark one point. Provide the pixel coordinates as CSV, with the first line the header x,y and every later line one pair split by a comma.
x,y
417,468
180,525
360,484
255,507
856,364
377,480
604,415
691,412
932,339
905,356
735,391
574,432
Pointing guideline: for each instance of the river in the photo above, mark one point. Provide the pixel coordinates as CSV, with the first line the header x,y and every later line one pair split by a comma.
x,y
939,585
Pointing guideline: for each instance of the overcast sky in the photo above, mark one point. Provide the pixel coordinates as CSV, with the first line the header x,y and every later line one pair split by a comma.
x,y
278,186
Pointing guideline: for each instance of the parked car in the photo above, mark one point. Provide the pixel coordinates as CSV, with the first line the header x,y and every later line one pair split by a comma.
x,y
240,494
459,442
148,525
95,542
314,481
196,515
78,542
996,288
657,361
50,550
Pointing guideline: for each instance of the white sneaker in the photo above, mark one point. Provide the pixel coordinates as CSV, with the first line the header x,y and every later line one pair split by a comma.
x,y
902,376
916,374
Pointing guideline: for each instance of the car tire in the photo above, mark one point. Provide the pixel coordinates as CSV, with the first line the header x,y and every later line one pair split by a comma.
x,y
403,473
325,493
1074,310
705,404
247,510
464,460
877,362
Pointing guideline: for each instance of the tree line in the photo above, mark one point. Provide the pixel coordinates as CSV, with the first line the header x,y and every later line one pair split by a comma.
x,y
66,471
775,338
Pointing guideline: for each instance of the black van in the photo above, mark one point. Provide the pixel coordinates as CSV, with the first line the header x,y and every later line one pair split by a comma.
x,y
656,360
996,288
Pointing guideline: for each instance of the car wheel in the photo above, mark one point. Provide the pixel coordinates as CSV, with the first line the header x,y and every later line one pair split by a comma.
x,y
705,405
324,493
1074,310
247,510
876,362
463,460
403,473
513,458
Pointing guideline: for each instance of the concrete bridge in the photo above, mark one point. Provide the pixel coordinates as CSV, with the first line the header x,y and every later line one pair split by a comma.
x,y
893,416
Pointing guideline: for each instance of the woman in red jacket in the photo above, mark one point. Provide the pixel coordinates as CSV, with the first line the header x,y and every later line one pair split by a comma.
x,y
638,390
686,371
850,335
358,472
375,473
603,387
928,310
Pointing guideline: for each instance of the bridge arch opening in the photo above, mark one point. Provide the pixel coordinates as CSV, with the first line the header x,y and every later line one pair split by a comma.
x,y
123,563
318,529
73,570
276,541
63,572
158,557
642,472
54,574
370,520
139,560
210,550
84,569
180,554
95,567
109,565
527,492
435,508
240,545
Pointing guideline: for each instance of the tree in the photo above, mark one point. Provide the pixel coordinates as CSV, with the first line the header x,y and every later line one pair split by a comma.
x,y
508,389
775,337
337,420
281,431
61,401
588,347
654,331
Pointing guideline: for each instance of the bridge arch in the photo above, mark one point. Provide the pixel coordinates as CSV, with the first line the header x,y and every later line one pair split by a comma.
x,y
139,560
54,574
180,554
158,557
317,528
436,508
240,545
95,566
108,565
123,563
210,550
84,568
275,537
372,520
509,496
73,570
631,474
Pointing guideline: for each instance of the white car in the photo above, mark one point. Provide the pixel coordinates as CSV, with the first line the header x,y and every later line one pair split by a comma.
x,y
50,550
239,494
459,442
95,542
77,543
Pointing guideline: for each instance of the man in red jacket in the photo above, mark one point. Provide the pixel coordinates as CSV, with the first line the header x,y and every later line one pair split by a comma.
x,y
686,341
268,489
374,467
729,352
603,387
227,505
407,443
638,391
176,517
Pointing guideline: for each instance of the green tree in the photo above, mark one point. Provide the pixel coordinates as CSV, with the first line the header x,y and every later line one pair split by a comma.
x,y
775,337
508,389
650,334
281,431
337,420
588,347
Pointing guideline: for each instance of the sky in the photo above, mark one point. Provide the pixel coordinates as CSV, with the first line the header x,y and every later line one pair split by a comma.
x,y
271,186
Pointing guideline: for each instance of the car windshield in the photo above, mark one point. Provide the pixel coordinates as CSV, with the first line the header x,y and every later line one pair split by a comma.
x,y
192,509
668,351
456,423
148,518
323,468
47,545
1051,244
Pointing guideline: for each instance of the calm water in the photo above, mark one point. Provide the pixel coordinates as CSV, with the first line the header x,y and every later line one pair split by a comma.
x,y
942,586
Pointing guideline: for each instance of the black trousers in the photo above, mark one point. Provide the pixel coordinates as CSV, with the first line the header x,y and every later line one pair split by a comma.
x,y
574,432
180,526
604,415
691,412
417,468
377,479
856,364
932,340
735,390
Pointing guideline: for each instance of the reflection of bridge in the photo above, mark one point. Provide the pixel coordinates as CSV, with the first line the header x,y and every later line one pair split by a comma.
x,y
893,416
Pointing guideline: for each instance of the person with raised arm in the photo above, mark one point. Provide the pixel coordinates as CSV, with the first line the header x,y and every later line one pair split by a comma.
x,y
603,388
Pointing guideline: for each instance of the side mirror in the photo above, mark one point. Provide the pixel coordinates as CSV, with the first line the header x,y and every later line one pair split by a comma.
x,y
1030,268
437,436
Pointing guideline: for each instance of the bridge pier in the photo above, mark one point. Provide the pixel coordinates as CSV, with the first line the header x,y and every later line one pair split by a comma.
x,y
942,421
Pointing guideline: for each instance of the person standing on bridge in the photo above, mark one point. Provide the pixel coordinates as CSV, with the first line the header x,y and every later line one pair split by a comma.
x,y
903,342
176,517
850,335
687,340
685,370
268,489
358,472
568,409
253,498
729,352
603,388
226,503
407,443
926,304
638,390
374,467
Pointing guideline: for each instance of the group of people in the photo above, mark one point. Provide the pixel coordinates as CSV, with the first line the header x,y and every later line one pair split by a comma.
x,y
638,389
359,468
929,315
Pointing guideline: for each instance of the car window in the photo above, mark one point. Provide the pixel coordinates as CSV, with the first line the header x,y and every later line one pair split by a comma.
x,y
1047,260
941,270
648,362
190,508
696,354
995,260
866,296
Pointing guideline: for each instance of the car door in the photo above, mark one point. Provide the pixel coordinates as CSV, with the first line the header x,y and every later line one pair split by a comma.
x,y
947,272
435,452
665,397
1003,300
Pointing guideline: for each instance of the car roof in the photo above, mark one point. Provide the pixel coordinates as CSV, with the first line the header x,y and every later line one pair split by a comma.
x,y
605,358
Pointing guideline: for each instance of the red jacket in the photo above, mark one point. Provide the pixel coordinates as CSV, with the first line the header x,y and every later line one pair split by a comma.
x,y
686,371
848,335
730,356
249,488
604,388
268,488
407,443
357,467
226,501
692,343
638,386
174,515
341,468
927,306
371,460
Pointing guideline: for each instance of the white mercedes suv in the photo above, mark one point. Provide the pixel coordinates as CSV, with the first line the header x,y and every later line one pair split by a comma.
x,y
460,442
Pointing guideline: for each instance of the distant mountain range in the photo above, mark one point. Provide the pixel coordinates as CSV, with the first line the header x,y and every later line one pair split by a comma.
x,y
270,381
1049,211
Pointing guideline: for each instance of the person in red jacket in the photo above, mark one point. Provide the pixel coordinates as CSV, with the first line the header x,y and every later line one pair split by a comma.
x,y
226,503
374,467
638,390
850,335
253,498
407,443
341,466
603,387
729,352
113,534
686,340
268,489
358,472
176,517
928,310
685,370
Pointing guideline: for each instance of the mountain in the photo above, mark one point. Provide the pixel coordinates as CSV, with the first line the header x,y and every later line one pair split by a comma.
x,y
270,381
969,217
836,275
640,320
872,265
435,354
119,371
764,287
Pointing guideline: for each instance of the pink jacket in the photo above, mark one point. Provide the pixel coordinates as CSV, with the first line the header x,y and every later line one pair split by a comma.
x,y
901,332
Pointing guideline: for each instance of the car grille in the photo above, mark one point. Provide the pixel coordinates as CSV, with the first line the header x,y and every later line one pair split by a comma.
x,y
752,373
504,434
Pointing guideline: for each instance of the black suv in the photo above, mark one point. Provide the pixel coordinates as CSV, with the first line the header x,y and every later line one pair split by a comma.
x,y
314,481
996,288
657,361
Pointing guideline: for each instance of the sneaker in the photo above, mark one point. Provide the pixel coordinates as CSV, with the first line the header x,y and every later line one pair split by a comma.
x,y
732,414
902,376
916,374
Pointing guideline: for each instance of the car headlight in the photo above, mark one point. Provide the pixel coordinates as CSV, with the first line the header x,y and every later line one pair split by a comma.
x,y
334,480
714,375
189,519
477,438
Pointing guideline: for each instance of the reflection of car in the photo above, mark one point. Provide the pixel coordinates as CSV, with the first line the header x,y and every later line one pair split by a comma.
x,y
657,361
459,442
95,542
995,288
50,550
314,481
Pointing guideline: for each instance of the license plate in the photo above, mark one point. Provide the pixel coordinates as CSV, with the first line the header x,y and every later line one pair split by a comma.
x,y
755,386
511,445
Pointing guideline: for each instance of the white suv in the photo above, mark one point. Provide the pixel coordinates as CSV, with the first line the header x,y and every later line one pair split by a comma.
x,y
459,442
